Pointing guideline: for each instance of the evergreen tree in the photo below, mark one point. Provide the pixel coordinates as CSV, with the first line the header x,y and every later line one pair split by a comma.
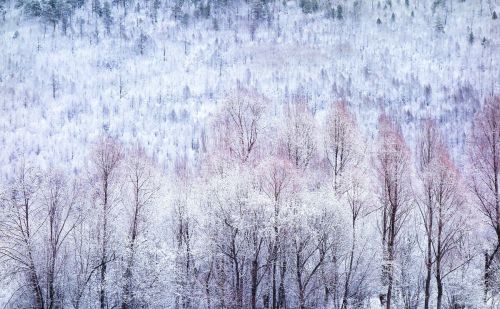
x,y
256,10
31,8
154,11
471,38
65,11
379,21
2,10
331,13
494,15
177,9
309,6
484,42
439,25
106,16
96,7
356,9
51,12
78,3
340,14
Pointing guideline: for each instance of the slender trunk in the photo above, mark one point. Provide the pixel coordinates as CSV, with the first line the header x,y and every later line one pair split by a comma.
x,y
428,262
126,288
254,284
207,289
384,243
274,257
390,249
187,297
37,291
486,276
127,295
281,291
33,276
255,271
389,292
102,292
326,288
273,281
237,278
349,270
50,282
299,281
439,256
439,283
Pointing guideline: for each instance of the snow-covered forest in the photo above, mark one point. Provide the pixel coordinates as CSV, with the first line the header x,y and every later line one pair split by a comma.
x,y
250,154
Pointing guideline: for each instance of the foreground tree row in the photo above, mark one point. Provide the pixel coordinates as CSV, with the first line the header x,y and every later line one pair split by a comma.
x,y
285,211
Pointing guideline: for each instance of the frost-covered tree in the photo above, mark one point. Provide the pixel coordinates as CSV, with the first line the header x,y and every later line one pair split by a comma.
x,y
60,198
142,188
393,168
239,126
106,159
298,140
342,149
106,16
442,207
22,218
484,157
429,147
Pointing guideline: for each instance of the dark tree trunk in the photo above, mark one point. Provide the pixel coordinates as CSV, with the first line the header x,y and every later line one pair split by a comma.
x,y
281,292
428,261
254,284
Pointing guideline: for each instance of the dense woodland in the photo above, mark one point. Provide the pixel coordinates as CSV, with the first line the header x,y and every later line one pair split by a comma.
x,y
298,215
249,154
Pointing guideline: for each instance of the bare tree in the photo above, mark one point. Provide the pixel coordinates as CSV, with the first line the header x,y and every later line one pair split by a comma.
x,y
239,125
429,147
229,205
484,157
392,165
142,184
19,227
106,158
340,141
81,262
257,236
298,140
275,181
60,198
184,227
312,241
450,221
357,200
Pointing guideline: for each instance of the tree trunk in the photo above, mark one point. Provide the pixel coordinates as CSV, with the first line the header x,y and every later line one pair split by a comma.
x,y
299,281
439,256
37,291
439,282
428,262
274,304
50,283
390,251
102,292
281,292
349,270
254,284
